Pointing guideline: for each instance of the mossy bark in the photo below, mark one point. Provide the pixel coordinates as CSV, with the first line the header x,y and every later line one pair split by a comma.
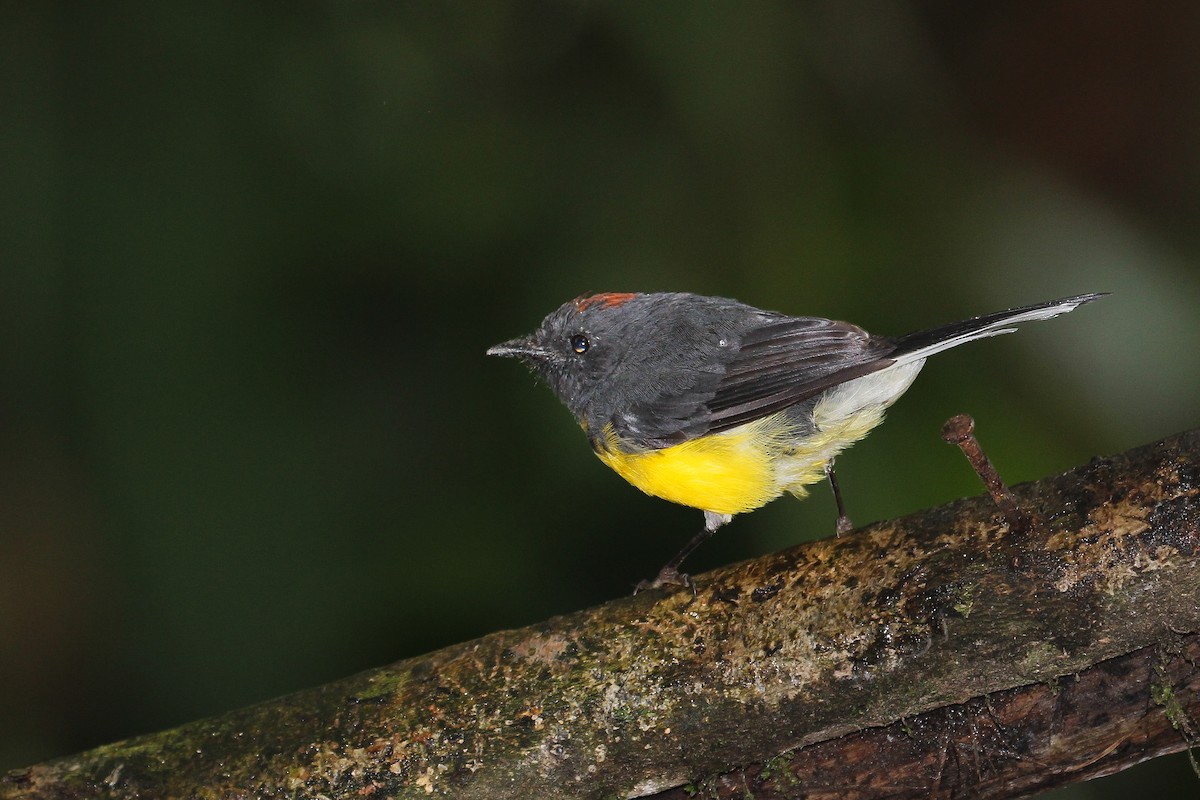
x,y
650,693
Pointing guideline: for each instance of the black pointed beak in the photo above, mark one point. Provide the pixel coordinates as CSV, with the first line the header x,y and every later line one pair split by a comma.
x,y
524,347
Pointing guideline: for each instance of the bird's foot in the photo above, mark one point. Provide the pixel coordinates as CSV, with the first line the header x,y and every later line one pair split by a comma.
x,y
667,576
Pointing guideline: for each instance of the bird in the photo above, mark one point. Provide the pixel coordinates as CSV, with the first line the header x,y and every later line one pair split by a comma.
x,y
721,406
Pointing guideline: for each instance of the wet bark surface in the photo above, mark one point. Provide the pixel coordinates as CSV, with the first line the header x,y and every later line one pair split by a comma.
x,y
937,653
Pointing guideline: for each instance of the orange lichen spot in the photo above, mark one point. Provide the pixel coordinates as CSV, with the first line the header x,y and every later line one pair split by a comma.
x,y
604,300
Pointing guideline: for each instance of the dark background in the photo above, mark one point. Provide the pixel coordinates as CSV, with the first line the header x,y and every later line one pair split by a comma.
x,y
251,260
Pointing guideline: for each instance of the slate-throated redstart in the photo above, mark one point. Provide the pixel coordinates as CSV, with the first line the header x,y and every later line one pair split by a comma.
x,y
721,406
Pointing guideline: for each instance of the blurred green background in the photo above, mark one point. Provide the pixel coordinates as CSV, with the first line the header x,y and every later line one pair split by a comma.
x,y
252,258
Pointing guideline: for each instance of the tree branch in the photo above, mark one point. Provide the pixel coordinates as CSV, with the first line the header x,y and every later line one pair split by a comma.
x,y
916,657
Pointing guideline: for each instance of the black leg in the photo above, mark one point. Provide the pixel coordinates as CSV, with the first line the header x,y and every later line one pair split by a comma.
x,y
670,574
844,525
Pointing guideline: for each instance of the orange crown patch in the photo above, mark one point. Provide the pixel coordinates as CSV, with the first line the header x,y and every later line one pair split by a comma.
x,y
603,300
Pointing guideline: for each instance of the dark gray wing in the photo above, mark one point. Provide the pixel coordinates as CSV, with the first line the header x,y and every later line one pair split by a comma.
x,y
787,362
783,362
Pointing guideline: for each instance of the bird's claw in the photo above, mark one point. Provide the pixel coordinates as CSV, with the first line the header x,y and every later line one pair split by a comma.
x,y
667,576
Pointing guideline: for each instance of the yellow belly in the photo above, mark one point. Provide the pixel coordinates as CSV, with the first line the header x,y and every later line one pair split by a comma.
x,y
727,473
739,470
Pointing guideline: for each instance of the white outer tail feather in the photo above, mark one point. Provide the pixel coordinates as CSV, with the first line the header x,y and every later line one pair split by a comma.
x,y
851,409
1000,326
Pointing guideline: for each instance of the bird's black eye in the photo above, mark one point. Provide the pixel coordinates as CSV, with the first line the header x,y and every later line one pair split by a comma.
x,y
580,343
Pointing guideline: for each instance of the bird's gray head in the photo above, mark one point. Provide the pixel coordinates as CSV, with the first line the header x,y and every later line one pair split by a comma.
x,y
604,353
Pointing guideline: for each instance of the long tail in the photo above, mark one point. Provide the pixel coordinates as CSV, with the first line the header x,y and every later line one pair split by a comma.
x,y
925,343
